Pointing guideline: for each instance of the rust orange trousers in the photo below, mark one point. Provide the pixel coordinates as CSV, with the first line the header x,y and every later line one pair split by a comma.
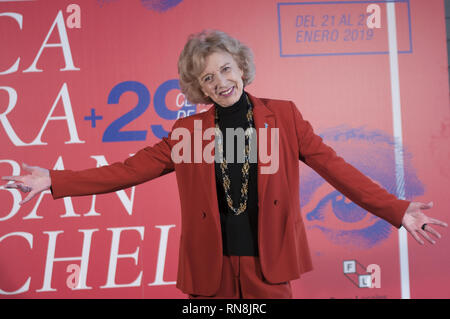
x,y
242,279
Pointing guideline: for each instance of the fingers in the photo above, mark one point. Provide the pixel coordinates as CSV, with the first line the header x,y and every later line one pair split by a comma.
x,y
18,178
415,236
427,237
429,229
12,185
28,198
22,187
436,222
426,206
13,178
415,233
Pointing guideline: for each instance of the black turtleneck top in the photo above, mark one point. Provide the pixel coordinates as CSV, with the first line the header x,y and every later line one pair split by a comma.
x,y
239,232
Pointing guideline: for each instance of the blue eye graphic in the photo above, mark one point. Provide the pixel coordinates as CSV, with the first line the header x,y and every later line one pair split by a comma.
x,y
341,221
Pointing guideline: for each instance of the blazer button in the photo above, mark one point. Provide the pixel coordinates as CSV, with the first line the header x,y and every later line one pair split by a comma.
x,y
203,215
275,202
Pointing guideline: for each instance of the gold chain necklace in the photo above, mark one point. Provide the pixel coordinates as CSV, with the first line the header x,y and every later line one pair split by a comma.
x,y
245,167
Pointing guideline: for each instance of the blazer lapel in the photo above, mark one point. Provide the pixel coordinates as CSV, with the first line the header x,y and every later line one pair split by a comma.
x,y
264,120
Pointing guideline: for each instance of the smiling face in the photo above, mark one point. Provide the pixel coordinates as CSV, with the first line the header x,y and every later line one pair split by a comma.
x,y
221,80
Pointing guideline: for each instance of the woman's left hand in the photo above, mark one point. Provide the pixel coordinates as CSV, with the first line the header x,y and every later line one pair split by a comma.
x,y
414,220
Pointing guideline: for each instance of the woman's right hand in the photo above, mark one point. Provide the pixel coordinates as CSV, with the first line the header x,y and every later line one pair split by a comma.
x,y
34,183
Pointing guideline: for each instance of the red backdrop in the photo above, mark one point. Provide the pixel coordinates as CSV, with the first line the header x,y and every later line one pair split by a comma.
x,y
86,83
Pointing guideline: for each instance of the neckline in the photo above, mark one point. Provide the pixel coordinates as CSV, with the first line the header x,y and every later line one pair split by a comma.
x,y
240,105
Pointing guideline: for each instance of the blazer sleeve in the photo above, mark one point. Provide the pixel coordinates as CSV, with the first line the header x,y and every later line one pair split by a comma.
x,y
344,177
146,164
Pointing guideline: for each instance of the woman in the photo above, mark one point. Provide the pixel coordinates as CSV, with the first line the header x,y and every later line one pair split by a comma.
x,y
242,234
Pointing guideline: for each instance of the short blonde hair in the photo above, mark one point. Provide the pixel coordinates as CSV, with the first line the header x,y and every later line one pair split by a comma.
x,y
193,58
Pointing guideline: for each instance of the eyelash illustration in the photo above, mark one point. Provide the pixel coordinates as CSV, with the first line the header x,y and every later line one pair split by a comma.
x,y
330,213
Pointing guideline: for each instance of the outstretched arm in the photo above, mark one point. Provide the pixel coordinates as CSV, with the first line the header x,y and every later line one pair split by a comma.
x,y
358,187
148,163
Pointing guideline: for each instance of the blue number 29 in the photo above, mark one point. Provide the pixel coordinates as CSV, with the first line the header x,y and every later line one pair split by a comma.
x,y
113,132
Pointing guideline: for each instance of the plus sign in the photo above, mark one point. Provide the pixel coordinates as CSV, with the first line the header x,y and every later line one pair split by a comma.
x,y
93,118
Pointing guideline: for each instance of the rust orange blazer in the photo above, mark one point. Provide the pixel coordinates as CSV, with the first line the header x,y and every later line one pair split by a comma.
x,y
283,246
